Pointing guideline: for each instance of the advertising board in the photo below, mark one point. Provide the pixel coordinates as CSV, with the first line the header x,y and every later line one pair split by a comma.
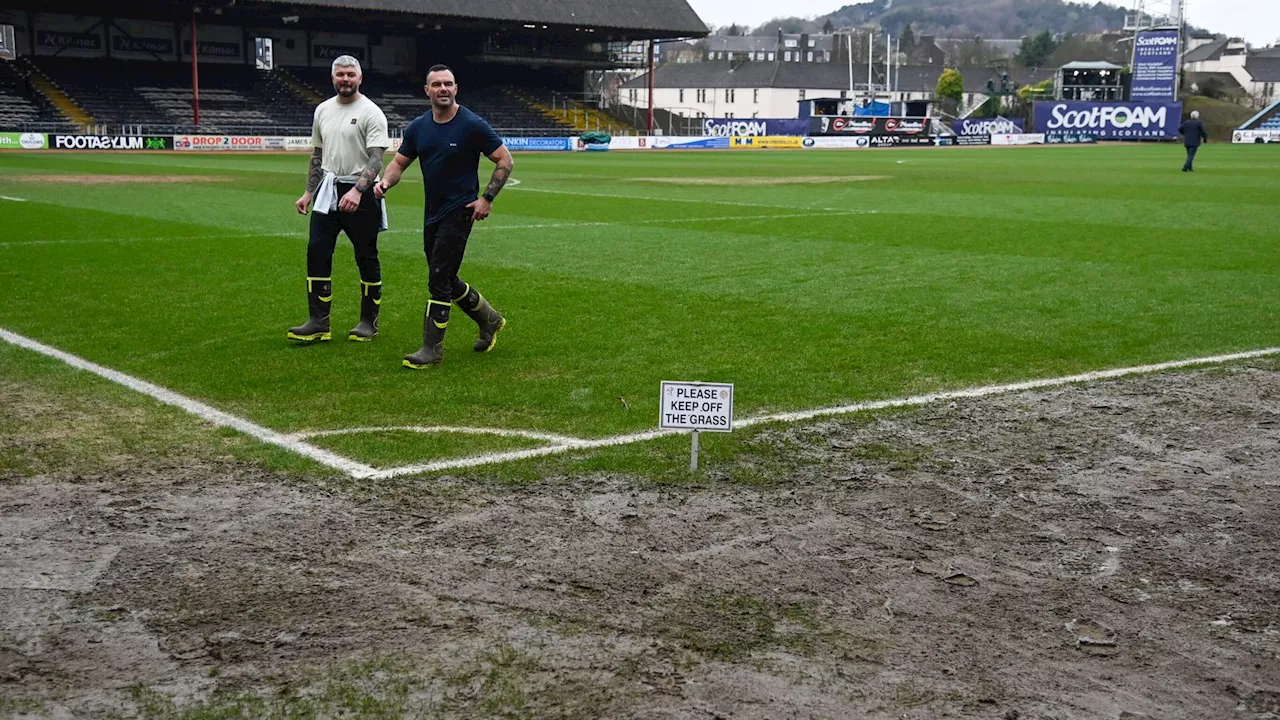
x,y
23,141
829,125
541,144
110,142
836,142
988,126
691,143
1018,139
1110,120
771,142
1255,136
754,127
1155,66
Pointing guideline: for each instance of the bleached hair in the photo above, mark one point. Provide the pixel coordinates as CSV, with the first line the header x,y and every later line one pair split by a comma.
x,y
345,61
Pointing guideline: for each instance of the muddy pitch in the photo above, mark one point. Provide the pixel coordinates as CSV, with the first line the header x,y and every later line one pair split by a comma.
x,y
1108,551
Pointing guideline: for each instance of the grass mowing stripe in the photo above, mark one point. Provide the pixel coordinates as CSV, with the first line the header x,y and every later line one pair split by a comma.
x,y
977,392
195,407
416,231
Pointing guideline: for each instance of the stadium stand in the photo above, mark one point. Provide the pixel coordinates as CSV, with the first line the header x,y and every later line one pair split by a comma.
x,y
17,109
158,95
93,74
402,99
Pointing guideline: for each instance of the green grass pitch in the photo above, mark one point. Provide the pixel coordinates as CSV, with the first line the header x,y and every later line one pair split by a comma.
x,y
918,271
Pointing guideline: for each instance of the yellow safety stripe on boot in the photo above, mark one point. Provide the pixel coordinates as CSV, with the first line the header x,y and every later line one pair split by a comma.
x,y
364,290
316,279
464,292
437,302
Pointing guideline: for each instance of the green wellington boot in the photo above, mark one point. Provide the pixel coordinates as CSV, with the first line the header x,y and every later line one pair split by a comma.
x,y
315,329
432,352
490,321
370,303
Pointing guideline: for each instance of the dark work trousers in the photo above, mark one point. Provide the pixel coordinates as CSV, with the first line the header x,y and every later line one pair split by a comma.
x,y
361,227
445,242
1191,157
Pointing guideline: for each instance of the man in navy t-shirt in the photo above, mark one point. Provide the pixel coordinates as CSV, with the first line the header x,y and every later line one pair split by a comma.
x,y
448,143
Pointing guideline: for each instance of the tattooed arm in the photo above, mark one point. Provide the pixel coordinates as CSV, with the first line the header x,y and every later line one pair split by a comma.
x,y
372,168
351,201
314,175
505,163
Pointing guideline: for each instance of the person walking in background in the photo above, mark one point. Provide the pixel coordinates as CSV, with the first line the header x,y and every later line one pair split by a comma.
x,y
348,137
448,142
1193,135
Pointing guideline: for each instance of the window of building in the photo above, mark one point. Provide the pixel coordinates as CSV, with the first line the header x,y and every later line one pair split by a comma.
x,y
681,95
771,57
633,95
755,96
844,94
728,115
812,42
789,43
801,94
810,56
786,56
702,95
728,95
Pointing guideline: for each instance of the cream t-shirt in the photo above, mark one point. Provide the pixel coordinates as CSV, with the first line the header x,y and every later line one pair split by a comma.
x,y
345,131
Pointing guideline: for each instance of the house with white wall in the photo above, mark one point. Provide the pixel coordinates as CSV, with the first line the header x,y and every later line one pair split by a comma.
x,y
1257,72
775,89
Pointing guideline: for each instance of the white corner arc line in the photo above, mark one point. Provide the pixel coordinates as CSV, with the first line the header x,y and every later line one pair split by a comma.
x,y
195,407
456,429
916,400
12,199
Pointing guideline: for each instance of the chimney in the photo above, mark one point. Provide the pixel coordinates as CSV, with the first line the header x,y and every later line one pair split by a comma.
x,y
804,46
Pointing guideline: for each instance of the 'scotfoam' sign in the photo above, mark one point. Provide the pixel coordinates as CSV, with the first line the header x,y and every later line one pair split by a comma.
x,y
987,126
1110,120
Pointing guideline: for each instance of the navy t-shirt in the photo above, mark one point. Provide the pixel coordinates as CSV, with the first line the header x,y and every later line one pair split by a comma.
x,y
449,154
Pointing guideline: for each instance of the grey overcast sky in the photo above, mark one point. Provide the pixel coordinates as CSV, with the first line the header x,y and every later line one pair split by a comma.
x,y
1257,21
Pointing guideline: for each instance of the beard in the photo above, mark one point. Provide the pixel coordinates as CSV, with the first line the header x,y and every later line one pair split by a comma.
x,y
346,90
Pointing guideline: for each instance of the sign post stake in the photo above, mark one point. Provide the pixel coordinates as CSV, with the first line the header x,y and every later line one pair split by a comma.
x,y
695,407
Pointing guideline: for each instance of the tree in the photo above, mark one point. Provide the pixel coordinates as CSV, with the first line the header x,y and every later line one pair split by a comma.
x,y
828,27
788,25
950,85
1082,48
1036,50
907,41
734,30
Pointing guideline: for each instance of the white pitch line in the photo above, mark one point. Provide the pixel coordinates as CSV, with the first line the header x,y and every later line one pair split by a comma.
x,y
430,429
977,392
195,407
12,199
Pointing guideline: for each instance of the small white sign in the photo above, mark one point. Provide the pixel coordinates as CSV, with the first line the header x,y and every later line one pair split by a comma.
x,y
705,407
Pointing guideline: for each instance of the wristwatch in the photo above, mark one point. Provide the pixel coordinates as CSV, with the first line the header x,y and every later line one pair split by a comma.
x,y
488,197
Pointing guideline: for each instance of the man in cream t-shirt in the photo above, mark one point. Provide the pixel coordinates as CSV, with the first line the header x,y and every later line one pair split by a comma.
x,y
349,137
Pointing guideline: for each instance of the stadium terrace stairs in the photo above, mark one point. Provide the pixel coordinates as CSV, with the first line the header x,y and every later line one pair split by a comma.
x,y
60,100
581,118
301,89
